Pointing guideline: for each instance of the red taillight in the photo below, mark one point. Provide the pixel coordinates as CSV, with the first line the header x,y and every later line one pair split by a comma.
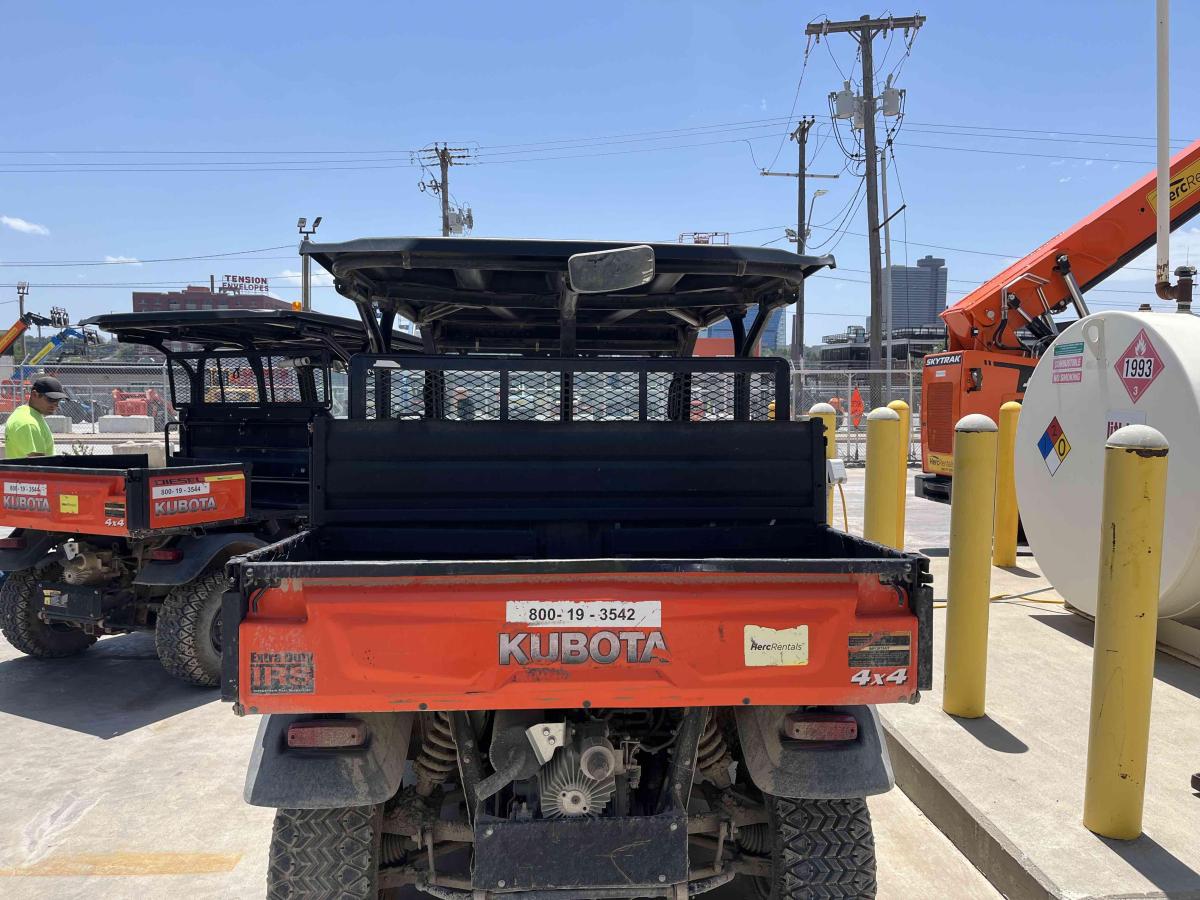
x,y
819,727
166,555
12,543
323,733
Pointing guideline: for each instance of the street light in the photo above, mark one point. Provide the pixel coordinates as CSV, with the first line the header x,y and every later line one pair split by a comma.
x,y
819,192
305,232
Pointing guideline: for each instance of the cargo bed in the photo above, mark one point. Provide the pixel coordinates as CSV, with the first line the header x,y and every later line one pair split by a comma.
x,y
121,495
312,631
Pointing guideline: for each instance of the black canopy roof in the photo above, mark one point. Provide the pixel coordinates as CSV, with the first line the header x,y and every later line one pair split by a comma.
x,y
268,330
471,294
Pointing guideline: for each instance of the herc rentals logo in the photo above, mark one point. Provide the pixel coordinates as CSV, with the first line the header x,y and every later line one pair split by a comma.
x,y
1182,185
574,647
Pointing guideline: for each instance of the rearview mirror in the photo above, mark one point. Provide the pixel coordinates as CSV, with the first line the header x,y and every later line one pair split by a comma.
x,y
606,271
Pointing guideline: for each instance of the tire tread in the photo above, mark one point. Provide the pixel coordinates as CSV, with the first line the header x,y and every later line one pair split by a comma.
x,y
326,853
824,849
180,630
22,628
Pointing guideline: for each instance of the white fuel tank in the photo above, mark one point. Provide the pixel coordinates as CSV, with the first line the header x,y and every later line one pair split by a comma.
x,y
1109,370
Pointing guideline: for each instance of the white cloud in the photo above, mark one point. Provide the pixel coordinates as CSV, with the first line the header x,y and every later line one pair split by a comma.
x,y
762,104
292,277
23,226
1064,179
126,260
1021,167
1058,162
1088,162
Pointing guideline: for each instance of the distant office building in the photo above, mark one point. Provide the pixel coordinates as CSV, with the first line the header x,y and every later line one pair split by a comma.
x,y
236,292
772,335
852,349
918,293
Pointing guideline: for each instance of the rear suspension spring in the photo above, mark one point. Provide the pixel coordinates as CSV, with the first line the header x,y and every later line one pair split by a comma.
x,y
713,758
438,756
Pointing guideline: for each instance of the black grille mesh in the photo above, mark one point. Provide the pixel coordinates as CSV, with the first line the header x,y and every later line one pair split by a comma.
x,y
556,394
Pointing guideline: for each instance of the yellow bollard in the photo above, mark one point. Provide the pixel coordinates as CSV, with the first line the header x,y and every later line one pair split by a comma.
x,y
1004,550
1131,536
883,442
969,589
902,410
828,415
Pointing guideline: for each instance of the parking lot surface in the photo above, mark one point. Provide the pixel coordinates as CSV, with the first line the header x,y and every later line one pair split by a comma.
x,y
120,782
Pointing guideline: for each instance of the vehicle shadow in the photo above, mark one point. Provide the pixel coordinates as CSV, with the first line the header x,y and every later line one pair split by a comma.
x,y
1167,668
117,686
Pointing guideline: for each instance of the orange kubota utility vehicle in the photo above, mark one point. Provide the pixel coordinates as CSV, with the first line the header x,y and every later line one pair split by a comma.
x,y
995,334
110,544
551,634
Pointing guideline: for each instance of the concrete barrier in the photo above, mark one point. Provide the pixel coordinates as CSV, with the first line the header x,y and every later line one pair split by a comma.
x,y
126,424
156,454
58,424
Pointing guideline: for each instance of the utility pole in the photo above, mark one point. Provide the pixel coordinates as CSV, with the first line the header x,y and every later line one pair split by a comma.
x,y
800,136
445,157
887,267
864,31
22,293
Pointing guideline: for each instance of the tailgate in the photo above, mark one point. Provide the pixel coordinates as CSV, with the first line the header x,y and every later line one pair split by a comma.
x,y
572,639
123,502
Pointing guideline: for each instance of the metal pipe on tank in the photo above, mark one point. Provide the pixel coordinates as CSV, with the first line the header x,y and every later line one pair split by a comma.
x,y
1162,268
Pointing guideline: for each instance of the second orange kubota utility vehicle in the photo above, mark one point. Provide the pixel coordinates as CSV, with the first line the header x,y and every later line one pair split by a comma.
x,y
110,544
568,621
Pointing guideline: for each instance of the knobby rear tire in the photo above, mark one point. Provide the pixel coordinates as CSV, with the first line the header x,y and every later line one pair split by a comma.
x,y
327,853
823,850
184,635
21,599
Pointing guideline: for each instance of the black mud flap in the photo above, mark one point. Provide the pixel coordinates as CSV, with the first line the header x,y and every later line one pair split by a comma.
x,y
282,777
582,853
38,545
198,553
859,768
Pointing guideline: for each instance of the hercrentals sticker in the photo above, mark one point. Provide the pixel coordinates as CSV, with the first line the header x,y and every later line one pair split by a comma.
x,y
1181,185
946,359
574,647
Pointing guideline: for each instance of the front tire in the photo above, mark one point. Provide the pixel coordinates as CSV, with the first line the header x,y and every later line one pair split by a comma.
x,y
188,633
823,849
20,601
328,853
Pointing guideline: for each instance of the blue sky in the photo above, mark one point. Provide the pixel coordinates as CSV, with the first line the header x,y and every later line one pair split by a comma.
x,y
350,88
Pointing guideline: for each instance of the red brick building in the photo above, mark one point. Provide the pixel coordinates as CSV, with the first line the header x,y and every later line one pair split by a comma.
x,y
200,297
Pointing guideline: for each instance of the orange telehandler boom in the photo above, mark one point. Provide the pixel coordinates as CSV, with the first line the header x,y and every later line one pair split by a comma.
x,y
995,334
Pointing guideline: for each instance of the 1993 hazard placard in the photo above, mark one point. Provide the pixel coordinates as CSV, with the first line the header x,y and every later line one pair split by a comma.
x,y
1139,366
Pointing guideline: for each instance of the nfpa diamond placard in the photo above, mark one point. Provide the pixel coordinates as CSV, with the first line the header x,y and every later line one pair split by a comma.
x,y
1053,445
1138,366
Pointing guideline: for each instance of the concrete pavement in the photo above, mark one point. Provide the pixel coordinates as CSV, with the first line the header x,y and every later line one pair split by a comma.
x,y
123,783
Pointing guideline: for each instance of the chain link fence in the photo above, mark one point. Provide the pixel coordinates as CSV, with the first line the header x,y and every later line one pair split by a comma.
x,y
837,387
95,390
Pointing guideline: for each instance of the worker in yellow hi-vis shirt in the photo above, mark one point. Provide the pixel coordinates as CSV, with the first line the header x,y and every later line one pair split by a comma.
x,y
26,432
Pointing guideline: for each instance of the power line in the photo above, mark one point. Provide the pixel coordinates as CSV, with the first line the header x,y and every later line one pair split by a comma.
x,y
1042,134
532,155
135,262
